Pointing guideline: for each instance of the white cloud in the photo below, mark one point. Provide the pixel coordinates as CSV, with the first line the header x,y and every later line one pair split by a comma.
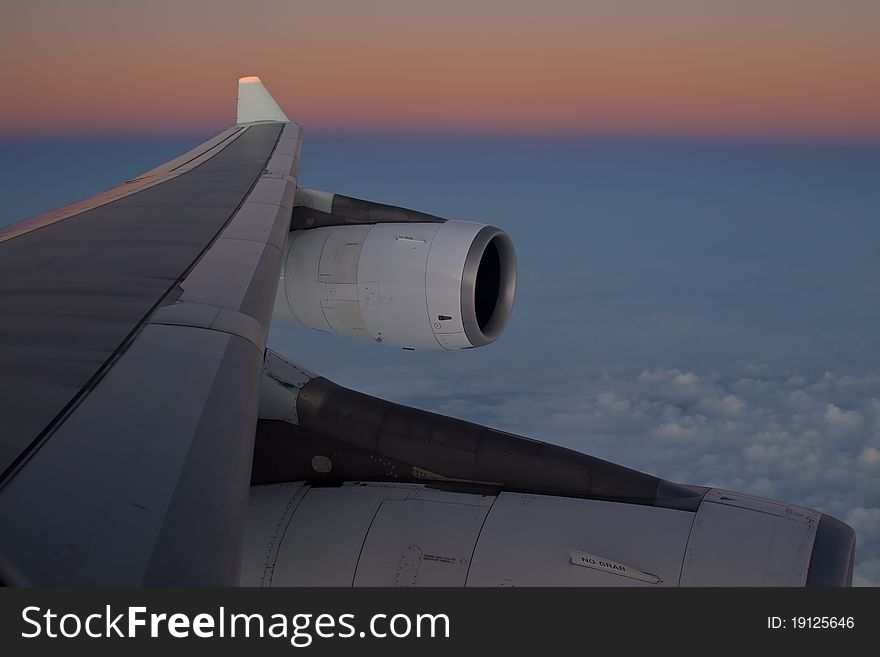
x,y
729,405
762,453
800,400
613,403
675,431
686,379
866,522
732,405
870,456
657,376
867,573
841,420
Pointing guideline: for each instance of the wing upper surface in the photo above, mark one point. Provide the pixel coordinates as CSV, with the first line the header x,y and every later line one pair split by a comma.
x,y
131,335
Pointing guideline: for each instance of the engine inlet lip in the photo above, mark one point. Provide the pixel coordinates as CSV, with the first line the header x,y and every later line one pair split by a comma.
x,y
490,330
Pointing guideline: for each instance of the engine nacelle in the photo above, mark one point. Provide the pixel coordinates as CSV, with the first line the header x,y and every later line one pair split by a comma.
x,y
432,285
368,492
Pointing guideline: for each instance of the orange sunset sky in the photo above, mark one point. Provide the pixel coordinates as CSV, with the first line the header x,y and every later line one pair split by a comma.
x,y
795,68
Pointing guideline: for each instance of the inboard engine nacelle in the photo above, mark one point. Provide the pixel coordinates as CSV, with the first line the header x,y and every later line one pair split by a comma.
x,y
418,285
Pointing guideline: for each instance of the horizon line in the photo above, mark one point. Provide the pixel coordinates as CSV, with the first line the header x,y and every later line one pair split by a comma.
x,y
446,132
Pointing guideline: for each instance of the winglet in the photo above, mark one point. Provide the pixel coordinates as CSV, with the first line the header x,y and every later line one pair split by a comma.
x,y
255,103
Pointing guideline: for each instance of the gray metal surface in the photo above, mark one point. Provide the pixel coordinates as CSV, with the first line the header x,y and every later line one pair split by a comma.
x,y
362,534
739,540
270,510
345,210
834,552
527,538
145,479
372,439
416,542
88,507
323,540
74,292
392,534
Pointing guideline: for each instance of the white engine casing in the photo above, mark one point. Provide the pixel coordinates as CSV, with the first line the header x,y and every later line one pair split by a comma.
x,y
432,285
391,534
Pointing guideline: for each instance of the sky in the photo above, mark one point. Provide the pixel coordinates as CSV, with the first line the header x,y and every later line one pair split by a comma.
x,y
785,68
692,188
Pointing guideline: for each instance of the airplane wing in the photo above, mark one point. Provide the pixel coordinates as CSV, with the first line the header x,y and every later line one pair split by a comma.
x,y
148,437
133,326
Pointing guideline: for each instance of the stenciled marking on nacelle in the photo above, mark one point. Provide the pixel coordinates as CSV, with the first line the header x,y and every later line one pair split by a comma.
x,y
594,561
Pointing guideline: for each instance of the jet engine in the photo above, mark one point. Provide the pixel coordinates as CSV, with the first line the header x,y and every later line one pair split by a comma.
x,y
419,284
352,490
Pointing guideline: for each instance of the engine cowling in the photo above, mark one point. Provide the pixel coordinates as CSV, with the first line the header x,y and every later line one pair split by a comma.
x,y
432,285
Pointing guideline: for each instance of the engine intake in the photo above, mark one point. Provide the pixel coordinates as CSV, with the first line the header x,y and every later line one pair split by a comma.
x,y
488,286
